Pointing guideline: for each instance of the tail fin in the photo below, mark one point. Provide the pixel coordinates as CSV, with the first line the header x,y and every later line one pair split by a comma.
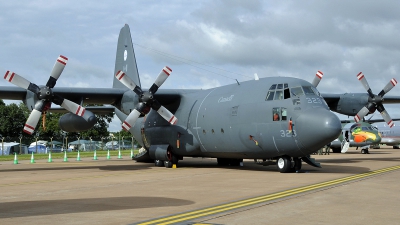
x,y
125,59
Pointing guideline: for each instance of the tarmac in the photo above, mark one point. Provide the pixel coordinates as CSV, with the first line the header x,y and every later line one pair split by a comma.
x,y
350,188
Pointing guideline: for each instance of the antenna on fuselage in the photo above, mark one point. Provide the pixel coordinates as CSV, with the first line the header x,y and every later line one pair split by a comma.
x,y
237,81
256,76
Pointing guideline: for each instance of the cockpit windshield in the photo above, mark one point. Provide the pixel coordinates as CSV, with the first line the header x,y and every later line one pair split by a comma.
x,y
296,91
308,90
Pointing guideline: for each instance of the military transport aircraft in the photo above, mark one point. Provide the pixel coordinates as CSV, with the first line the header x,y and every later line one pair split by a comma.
x,y
279,120
390,135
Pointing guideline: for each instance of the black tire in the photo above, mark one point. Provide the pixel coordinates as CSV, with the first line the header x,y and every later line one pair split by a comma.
x,y
283,164
396,147
363,151
336,150
297,164
168,164
158,163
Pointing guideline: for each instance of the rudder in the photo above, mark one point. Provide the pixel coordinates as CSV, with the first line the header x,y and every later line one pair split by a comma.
x,y
125,58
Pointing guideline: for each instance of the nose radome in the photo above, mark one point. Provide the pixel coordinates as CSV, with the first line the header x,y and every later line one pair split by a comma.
x,y
317,127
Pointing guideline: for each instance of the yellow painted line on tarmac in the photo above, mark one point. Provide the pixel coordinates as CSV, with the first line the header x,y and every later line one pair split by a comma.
x,y
261,199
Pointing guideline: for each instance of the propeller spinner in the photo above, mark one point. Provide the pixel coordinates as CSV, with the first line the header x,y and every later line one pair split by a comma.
x,y
44,94
146,99
375,101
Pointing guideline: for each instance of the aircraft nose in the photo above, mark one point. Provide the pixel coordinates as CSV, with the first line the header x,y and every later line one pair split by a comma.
x,y
317,127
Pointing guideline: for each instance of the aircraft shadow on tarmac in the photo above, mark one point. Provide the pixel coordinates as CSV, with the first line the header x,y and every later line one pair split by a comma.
x,y
66,206
127,167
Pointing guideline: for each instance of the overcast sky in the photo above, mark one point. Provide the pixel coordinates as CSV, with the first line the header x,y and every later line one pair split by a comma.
x,y
206,43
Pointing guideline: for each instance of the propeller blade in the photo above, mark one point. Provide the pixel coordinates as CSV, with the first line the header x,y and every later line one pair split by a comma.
x,y
164,74
167,115
32,121
17,80
72,107
317,78
388,87
364,111
385,115
130,120
57,70
128,82
364,82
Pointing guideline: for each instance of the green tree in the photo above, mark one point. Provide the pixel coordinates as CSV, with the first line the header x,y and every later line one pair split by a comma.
x,y
12,121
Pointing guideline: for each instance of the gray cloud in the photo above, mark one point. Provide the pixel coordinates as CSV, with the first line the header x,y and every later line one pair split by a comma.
x,y
270,38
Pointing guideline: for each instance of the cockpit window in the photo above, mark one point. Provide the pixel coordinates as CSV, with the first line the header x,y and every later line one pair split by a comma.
x,y
316,91
270,96
297,91
278,92
308,90
279,95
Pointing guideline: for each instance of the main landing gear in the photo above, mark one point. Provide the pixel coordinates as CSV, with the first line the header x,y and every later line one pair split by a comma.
x,y
286,164
172,159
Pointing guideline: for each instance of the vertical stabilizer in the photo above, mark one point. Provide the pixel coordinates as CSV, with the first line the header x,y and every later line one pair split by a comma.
x,y
125,59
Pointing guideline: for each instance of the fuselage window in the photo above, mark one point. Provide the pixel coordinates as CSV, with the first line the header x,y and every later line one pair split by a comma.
x,y
279,114
284,114
273,87
280,86
276,114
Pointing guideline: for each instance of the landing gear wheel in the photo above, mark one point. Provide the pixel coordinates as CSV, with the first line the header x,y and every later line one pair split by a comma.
x,y
167,164
283,164
158,163
297,164
173,159
364,151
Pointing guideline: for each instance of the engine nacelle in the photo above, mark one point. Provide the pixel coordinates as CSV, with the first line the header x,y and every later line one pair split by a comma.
x,y
74,123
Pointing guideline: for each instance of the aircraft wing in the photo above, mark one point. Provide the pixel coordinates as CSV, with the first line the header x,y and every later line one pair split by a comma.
x,y
334,98
89,95
331,98
108,96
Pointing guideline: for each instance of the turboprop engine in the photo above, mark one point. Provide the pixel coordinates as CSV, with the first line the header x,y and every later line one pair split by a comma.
x,y
73,123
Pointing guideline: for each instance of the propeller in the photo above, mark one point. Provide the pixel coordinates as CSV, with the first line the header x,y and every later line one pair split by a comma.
x,y
317,78
375,101
44,94
146,99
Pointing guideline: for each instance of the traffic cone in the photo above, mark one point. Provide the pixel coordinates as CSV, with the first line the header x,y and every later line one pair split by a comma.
x,y
15,158
95,155
32,158
50,160
119,154
131,153
78,157
65,157
108,154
